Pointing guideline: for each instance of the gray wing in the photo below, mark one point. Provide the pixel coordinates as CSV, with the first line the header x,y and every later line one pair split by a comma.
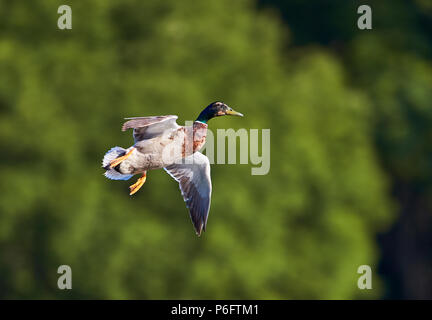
x,y
194,180
150,127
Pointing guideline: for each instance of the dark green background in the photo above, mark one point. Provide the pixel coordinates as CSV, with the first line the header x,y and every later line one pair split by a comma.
x,y
350,180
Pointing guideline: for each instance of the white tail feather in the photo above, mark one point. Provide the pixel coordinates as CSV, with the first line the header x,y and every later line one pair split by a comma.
x,y
113,174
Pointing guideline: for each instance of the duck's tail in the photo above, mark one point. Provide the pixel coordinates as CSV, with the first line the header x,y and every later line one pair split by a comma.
x,y
112,173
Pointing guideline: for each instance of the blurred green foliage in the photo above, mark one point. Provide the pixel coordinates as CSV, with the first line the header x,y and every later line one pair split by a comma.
x,y
299,232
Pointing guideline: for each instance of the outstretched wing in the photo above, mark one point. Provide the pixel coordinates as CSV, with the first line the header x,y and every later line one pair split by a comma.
x,y
149,127
194,180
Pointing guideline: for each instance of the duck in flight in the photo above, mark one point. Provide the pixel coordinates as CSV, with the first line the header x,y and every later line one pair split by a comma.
x,y
161,143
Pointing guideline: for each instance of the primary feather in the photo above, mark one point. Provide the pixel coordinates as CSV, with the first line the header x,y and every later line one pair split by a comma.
x,y
194,180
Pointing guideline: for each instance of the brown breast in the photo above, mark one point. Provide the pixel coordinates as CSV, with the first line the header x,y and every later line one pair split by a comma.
x,y
199,135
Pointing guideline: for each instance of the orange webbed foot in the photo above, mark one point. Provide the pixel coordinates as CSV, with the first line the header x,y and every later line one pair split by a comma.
x,y
119,160
137,185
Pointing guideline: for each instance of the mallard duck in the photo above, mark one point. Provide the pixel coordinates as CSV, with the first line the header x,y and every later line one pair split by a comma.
x,y
161,143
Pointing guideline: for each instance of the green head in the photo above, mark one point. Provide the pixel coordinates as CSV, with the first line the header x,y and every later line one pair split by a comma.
x,y
216,109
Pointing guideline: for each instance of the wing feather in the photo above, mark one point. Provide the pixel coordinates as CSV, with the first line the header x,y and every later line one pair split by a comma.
x,y
195,185
149,127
